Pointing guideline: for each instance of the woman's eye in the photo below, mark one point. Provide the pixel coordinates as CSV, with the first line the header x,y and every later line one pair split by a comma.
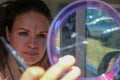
x,y
23,33
43,36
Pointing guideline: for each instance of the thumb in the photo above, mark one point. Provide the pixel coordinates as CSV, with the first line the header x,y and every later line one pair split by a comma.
x,y
32,73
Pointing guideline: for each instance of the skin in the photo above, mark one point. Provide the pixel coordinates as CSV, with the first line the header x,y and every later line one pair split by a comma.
x,y
28,36
65,64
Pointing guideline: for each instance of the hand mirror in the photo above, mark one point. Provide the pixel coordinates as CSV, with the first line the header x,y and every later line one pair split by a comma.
x,y
88,30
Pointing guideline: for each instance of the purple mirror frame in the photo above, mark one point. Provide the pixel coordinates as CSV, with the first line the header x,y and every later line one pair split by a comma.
x,y
63,14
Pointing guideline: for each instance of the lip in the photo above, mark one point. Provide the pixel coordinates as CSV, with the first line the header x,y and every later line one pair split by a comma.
x,y
31,54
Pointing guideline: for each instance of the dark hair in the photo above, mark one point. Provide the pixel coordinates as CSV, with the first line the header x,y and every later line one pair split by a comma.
x,y
19,7
3,52
2,16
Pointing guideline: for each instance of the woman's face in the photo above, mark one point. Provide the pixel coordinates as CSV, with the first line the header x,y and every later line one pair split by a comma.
x,y
28,36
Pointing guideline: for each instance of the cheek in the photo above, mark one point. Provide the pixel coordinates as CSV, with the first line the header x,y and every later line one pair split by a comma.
x,y
42,46
42,43
17,43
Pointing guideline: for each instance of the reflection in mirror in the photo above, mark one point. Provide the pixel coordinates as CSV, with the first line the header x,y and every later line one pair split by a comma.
x,y
92,36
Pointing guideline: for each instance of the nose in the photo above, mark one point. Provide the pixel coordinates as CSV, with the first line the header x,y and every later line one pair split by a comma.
x,y
32,43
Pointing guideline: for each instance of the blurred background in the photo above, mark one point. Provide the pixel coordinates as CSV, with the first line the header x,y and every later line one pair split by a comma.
x,y
57,5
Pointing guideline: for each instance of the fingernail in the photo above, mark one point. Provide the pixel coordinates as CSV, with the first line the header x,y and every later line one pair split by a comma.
x,y
68,59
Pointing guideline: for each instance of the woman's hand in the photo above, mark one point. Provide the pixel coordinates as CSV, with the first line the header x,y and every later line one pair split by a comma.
x,y
55,72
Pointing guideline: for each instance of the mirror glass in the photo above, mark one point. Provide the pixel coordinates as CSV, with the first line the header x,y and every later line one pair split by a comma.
x,y
91,35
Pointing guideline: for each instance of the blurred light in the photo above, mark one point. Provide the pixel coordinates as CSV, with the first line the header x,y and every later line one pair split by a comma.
x,y
111,30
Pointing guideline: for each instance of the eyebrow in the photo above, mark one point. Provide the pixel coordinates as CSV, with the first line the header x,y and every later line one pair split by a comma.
x,y
24,29
29,31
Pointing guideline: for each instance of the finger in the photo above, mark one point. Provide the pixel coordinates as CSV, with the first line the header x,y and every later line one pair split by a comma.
x,y
59,68
73,74
32,73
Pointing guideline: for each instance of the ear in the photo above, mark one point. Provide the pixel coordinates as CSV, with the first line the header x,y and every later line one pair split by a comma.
x,y
7,33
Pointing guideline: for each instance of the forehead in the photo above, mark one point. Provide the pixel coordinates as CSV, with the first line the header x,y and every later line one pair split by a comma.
x,y
31,20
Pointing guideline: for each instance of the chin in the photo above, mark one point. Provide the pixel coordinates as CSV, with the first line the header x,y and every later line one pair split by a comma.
x,y
33,63
30,63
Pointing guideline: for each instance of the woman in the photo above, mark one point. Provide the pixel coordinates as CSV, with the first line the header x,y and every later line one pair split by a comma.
x,y
25,26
